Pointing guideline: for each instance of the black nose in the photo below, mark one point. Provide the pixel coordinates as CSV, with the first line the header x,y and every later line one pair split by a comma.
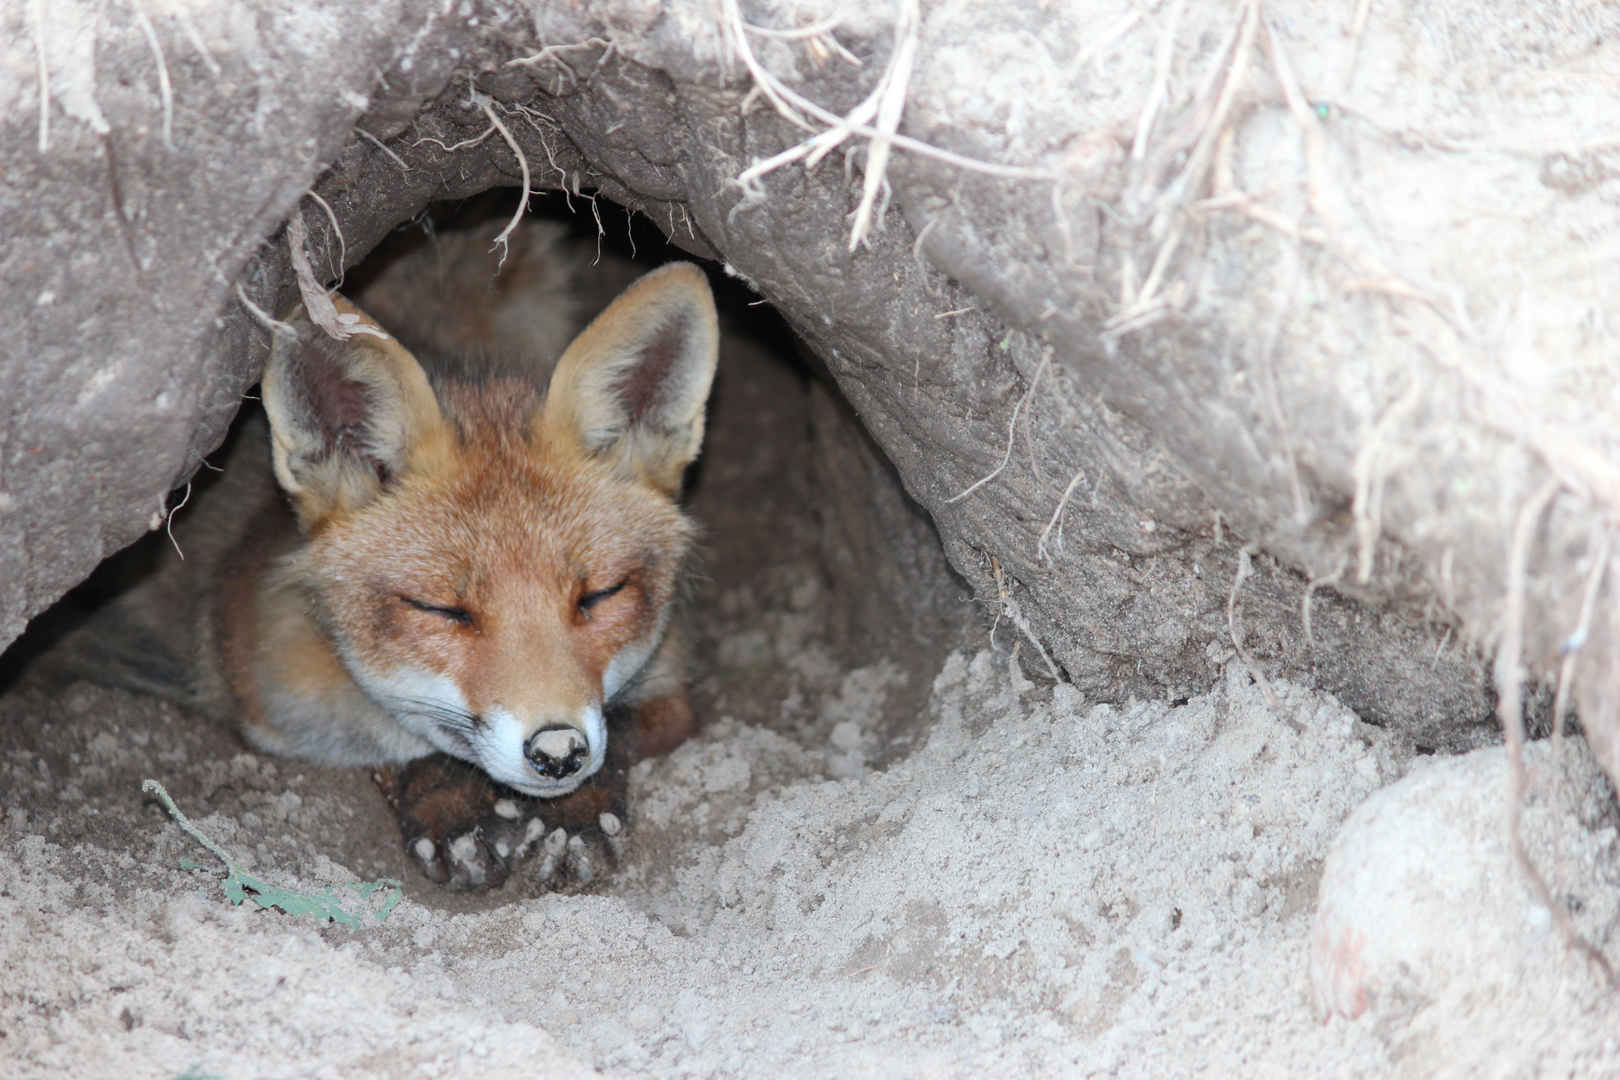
x,y
557,752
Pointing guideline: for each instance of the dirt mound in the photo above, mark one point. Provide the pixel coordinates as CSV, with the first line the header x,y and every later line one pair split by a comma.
x,y
1040,887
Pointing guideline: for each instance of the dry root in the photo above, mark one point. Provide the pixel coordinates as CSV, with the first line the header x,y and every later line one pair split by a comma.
x,y
484,102
317,301
1008,606
876,119
1012,428
1510,676
1256,672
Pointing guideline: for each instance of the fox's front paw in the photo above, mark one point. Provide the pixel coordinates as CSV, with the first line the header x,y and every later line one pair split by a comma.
x,y
464,831
448,820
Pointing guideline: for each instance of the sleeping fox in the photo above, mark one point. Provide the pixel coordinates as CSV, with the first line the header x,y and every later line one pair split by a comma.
x,y
478,556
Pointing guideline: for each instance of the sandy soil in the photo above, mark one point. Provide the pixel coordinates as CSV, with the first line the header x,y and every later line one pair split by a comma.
x,y
1043,888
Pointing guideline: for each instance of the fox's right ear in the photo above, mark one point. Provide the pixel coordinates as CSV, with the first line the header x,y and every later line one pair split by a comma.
x,y
346,417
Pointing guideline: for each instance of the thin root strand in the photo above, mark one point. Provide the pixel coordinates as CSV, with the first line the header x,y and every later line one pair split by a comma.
x,y
1245,568
1012,429
1510,676
484,102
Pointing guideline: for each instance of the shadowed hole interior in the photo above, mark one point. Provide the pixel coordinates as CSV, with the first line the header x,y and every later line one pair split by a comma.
x,y
818,591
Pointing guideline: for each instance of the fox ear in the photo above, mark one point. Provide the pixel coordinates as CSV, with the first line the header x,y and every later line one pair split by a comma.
x,y
346,417
631,388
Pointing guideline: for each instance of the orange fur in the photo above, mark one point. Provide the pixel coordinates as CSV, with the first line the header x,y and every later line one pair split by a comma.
x,y
479,564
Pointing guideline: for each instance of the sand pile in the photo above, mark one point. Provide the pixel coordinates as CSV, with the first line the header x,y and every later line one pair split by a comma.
x,y
1042,888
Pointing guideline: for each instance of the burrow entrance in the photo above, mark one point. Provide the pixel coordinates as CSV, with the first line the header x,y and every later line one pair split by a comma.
x,y
820,607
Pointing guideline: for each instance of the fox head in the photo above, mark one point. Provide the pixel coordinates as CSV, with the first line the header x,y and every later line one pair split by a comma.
x,y
494,566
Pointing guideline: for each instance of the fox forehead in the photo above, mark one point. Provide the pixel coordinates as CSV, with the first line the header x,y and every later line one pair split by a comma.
x,y
488,522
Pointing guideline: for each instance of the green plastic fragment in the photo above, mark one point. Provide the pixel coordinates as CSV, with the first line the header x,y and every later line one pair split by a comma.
x,y
239,885
193,1074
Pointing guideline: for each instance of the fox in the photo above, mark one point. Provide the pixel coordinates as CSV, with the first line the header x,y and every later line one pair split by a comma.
x,y
471,577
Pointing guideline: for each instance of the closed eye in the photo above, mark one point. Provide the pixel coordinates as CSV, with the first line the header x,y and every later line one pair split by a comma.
x,y
591,599
460,616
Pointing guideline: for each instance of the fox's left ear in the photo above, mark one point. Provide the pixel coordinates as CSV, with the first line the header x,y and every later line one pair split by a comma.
x,y
631,389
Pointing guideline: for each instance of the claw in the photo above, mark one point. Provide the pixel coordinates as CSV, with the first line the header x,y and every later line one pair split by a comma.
x,y
427,853
464,849
579,859
464,854
531,832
